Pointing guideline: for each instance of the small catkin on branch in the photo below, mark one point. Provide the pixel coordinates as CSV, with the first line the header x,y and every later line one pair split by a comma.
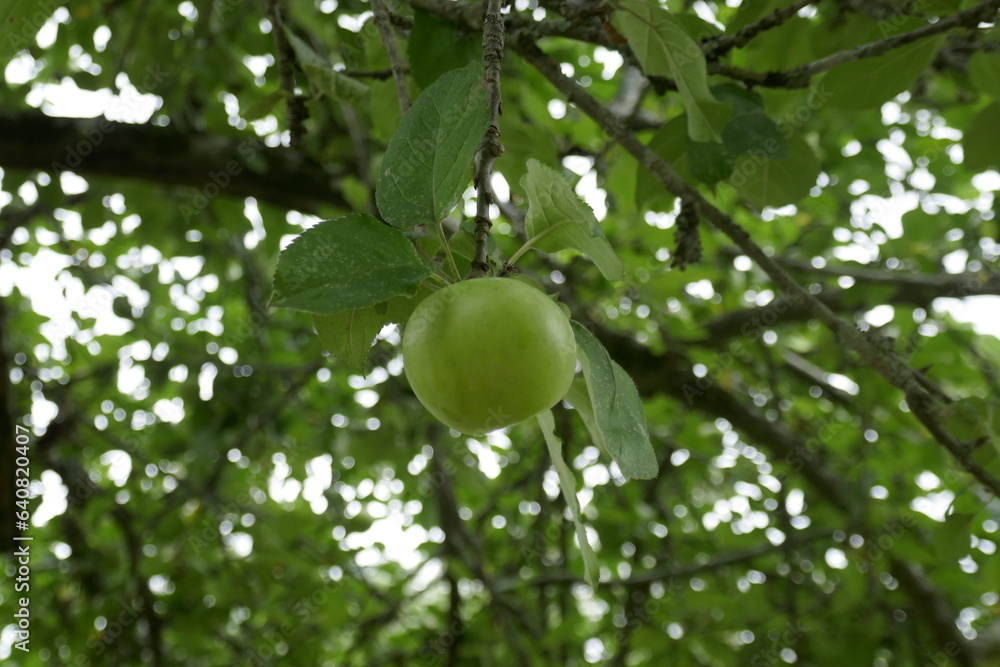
x,y
490,147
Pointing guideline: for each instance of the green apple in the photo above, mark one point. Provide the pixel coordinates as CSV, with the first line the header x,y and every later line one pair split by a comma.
x,y
487,353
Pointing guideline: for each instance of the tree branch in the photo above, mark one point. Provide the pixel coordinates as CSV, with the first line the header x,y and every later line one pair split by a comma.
x,y
723,44
490,147
285,56
883,359
212,164
969,18
396,63
912,289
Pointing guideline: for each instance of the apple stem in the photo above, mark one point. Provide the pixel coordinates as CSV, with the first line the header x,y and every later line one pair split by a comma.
x,y
490,147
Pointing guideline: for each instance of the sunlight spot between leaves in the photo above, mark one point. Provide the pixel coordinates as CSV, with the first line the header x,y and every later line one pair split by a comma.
x,y
933,505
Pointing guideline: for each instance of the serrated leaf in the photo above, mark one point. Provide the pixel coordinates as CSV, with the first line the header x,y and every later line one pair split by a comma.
x,y
567,484
349,334
664,48
764,181
428,163
867,83
617,408
350,262
263,106
323,78
558,219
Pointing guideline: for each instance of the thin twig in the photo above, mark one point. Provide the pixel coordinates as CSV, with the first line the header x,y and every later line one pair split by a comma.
x,y
380,74
889,364
985,12
395,63
723,44
490,147
285,56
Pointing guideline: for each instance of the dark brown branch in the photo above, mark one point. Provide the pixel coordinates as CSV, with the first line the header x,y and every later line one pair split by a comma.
x,y
379,74
285,56
212,164
490,147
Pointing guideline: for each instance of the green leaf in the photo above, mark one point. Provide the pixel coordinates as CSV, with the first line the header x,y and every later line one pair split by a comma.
x,y
984,70
618,413
323,78
350,262
867,83
523,141
436,47
755,134
17,19
952,540
591,566
557,219
982,140
671,144
349,334
708,161
428,163
765,181
263,106
664,48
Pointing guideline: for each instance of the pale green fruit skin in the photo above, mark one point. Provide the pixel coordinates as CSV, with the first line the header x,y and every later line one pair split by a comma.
x,y
487,353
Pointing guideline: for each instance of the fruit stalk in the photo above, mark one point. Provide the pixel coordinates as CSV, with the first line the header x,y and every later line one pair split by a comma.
x,y
490,147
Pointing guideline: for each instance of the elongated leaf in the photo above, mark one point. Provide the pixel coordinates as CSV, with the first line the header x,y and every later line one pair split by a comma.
x,y
350,262
866,84
428,163
664,48
323,78
558,219
617,408
567,483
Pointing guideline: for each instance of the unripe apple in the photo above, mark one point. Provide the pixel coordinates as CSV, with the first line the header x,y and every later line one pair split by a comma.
x,y
487,353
